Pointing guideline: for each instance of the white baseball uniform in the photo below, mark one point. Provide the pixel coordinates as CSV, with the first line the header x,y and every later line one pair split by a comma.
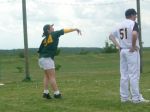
x,y
129,61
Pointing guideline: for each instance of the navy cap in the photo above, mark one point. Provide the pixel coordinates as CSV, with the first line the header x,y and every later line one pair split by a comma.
x,y
130,12
47,26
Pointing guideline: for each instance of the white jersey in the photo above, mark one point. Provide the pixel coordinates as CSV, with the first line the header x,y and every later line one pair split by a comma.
x,y
124,33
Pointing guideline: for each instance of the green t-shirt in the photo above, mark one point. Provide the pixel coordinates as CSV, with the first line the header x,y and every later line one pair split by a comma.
x,y
49,44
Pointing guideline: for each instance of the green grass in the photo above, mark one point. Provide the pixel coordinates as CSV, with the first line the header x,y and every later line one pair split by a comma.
x,y
89,83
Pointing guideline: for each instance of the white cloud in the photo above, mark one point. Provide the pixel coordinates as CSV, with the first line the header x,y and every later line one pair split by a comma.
x,y
95,18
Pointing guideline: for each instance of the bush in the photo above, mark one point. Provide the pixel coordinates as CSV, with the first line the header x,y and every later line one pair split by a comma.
x,y
109,48
57,52
57,67
21,54
20,69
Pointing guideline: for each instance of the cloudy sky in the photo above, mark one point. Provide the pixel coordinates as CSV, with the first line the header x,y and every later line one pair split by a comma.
x,y
96,19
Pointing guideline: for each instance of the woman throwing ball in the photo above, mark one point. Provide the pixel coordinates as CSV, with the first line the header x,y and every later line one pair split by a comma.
x,y
47,51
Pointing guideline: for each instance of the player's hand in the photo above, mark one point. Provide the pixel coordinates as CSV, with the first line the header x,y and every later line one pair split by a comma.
x,y
133,49
79,31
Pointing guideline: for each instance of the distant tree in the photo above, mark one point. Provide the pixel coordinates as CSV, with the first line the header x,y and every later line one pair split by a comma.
x,y
83,52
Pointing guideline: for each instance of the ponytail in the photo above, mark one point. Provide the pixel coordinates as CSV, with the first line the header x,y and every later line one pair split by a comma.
x,y
45,34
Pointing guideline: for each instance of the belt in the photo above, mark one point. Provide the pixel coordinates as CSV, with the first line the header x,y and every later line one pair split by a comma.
x,y
123,48
127,48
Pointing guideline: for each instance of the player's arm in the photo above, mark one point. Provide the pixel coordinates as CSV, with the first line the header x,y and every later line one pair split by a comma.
x,y
72,30
113,39
134,37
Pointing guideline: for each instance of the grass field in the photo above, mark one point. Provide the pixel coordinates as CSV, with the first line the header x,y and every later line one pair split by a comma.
x,y
89,83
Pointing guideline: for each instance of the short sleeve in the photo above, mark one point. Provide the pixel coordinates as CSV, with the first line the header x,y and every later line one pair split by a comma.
x,y
59,33
136,28
115,33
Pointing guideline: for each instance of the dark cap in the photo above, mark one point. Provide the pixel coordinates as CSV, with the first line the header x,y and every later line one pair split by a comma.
x,y
130,12
47,26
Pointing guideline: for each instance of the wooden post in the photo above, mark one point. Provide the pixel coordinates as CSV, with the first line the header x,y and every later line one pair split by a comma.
x,y
140,34
27,76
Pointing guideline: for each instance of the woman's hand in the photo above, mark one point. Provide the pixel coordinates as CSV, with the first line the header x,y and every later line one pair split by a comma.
x,y
79,31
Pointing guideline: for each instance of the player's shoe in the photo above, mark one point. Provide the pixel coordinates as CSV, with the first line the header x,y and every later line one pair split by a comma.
x,y
125,100
47,96
57,96
142,100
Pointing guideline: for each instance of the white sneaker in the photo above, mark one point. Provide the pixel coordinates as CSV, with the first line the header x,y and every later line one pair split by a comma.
x,y
141,101
125,100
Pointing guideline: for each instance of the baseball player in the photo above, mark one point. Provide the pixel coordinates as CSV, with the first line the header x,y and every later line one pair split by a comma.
x,y
125,37
47,52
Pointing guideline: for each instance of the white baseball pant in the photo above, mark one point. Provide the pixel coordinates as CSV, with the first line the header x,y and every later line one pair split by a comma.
x,y
130,74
